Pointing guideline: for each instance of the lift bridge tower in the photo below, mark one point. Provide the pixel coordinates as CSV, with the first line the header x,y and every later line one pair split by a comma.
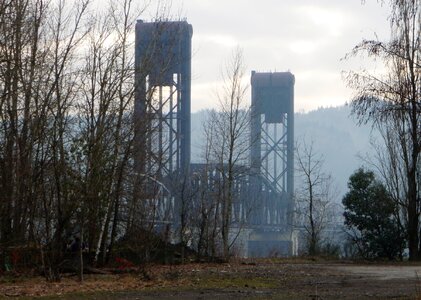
x,y
272,162
162,110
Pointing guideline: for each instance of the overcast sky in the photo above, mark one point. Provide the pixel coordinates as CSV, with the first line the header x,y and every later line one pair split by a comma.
x,y
307,37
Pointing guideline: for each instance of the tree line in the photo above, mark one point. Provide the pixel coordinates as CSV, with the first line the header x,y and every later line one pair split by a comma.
x,y
382,207
392,102
68,139
66,115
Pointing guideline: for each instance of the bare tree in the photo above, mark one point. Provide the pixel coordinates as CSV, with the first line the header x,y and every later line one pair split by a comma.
x,y
66,144
394,99
389,166
207,205
313,197
106,130
38,86
230,142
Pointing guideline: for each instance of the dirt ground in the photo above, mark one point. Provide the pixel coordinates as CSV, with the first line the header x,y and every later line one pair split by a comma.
x,y
265,279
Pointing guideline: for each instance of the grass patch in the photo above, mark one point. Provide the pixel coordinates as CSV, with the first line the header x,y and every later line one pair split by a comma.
x,y
99,295
223,282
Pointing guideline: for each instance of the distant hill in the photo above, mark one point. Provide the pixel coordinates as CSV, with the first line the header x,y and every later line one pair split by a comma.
x,y
338,138
334,132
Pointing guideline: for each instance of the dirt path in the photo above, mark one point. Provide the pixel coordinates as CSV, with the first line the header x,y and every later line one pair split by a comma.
x,y
384,272
267,279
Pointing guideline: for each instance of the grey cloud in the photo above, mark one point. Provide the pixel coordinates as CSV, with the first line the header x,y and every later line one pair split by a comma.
x,y
267,30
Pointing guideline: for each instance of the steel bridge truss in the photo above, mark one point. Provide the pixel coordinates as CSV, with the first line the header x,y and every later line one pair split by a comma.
x,y
162,109
272,146
274,153
263,196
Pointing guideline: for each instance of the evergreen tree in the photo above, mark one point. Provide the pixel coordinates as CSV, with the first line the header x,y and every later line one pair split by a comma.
x,y
370,217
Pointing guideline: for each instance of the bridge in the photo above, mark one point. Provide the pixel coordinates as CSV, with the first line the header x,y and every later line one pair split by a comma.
x,y
262,206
